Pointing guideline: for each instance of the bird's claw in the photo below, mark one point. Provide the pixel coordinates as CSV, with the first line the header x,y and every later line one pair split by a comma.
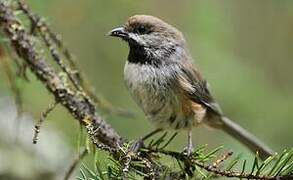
x,y
136,145
188,150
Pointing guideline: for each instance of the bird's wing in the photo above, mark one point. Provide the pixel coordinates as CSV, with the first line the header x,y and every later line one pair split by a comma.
x,y
196,88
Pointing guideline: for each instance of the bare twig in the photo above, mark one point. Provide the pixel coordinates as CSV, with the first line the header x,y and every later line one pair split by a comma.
x,y
53,41
41,120
222,159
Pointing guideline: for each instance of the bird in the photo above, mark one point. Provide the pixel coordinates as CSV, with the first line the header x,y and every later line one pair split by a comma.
x,y
165,82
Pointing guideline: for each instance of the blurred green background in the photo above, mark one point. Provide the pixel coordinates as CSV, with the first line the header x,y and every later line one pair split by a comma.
x,y
244,49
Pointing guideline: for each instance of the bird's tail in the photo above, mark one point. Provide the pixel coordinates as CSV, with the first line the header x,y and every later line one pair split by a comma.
x,y
248,139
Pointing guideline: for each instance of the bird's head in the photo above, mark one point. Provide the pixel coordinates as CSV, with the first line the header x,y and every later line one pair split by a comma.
x,y
150,36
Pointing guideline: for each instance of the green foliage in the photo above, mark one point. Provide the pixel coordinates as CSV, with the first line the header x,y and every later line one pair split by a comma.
x,y
203,164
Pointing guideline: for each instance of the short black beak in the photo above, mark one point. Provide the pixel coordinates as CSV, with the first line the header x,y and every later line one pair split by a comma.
x,y
118,32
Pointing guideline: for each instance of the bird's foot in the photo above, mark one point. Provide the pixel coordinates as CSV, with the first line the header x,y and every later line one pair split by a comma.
x,y
188,150
136,145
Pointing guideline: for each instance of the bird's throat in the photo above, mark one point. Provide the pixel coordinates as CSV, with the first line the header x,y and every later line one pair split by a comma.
x,y
142,55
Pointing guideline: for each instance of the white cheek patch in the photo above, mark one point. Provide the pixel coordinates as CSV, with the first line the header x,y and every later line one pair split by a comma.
x,y
138,39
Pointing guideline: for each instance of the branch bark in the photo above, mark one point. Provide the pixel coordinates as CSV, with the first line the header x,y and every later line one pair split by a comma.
x,y
78,104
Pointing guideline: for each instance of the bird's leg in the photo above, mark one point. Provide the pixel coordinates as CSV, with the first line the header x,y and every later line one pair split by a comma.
x,y
140,142
189,147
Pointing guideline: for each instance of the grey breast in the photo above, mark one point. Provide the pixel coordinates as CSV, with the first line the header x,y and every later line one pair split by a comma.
x,y
153,90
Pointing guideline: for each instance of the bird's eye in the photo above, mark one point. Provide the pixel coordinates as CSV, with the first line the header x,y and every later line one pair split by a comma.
x,y
141,30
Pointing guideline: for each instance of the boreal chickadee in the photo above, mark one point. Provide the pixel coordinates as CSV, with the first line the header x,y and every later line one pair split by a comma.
x,y
164,82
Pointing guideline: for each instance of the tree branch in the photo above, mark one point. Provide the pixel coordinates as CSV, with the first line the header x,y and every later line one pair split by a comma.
x,y
79,105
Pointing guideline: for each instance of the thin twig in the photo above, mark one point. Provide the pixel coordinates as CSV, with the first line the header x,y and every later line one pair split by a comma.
x,y
39,24
53,41
41,120
222,158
